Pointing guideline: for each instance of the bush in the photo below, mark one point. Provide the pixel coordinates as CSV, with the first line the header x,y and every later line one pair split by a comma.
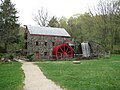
x,y
30,57
116,52
2,50
11,57
7,56
1,55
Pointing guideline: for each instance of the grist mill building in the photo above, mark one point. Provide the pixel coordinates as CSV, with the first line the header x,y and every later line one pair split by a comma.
x,y
41,40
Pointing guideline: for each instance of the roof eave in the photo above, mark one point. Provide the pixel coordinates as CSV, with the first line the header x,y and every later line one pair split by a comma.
x,y
48,35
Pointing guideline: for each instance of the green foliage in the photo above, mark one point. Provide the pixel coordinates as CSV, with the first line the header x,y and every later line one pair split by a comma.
x,y
63,23
1,56
53,22
20,45
100,74
11,57
101,26
72,23
30,57
7,55
11,76
9,28
2,50
116,52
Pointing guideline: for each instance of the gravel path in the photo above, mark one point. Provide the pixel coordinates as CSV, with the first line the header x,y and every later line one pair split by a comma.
x,y
35,80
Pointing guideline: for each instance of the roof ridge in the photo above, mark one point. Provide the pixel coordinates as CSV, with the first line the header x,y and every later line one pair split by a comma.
x,y
46,27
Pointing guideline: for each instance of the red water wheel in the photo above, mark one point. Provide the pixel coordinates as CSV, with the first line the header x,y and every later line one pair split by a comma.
x,y
61,51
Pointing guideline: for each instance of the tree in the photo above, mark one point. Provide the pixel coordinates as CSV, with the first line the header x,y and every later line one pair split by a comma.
x,y
85,27
106,15
9,27
53,22
117,21
73,30
1,32
1,1
42,17
63,23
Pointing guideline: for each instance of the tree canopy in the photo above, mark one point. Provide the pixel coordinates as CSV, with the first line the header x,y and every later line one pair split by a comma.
x,y
9,28
101,25
53,22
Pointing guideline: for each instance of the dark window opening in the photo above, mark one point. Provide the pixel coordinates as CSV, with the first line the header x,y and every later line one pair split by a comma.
x,y
26,53
36,43
53,43
26,36
45,53
25,45
45,43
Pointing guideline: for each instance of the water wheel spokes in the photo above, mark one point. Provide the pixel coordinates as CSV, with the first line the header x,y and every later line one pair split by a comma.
x,y
62,50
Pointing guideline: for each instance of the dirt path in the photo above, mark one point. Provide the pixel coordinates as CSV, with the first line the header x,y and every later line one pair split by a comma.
x,y
35,80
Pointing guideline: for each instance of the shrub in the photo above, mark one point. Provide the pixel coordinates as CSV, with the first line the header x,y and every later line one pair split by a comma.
x,y
11,57
1,55
116,52
30,57
2,50
7,56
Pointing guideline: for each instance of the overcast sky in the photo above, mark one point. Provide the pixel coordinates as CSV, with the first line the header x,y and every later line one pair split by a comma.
x,y
58,8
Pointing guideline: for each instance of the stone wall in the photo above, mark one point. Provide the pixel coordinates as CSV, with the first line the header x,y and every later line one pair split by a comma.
x,y
43,44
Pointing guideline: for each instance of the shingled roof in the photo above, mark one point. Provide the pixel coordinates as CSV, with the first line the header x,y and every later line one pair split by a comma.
x,y
36,30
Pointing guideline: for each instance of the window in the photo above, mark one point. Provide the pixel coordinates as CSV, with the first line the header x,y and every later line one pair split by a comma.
x,y
53,43
64,38
45,53
45,43
26,53
36,43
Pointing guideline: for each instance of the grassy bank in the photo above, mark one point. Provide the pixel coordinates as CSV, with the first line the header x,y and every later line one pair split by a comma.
x,y
103,74
11,76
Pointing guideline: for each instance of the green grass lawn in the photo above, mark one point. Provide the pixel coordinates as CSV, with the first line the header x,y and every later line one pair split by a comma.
x,y
103,74
11,76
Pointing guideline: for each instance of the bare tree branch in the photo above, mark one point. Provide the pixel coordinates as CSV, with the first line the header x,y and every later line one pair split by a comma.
x,y
42,17
2,1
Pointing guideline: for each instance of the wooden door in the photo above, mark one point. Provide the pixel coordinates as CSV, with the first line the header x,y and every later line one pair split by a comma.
x,y
37,55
